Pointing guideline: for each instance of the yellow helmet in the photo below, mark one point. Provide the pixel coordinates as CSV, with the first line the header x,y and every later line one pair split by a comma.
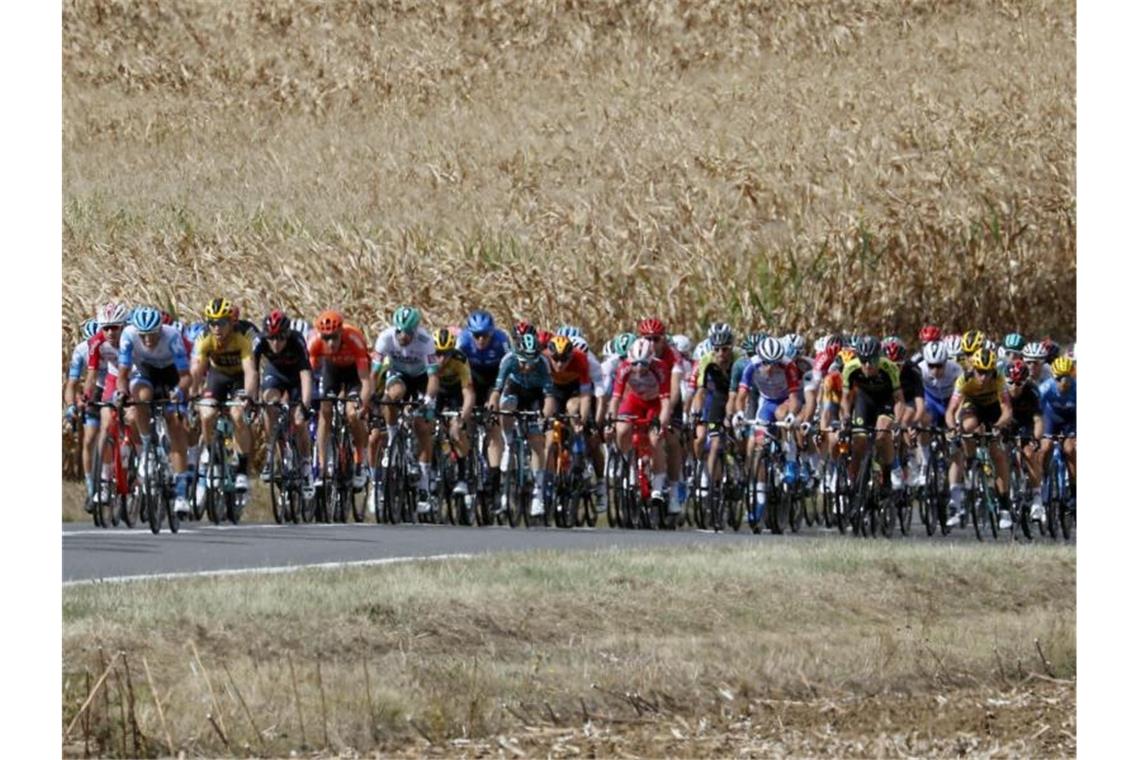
x,y
847,354
973,340
444,341
560,347
985,360
1062,367
219,308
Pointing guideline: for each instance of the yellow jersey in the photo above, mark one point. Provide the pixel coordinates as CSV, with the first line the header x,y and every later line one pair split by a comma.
x,y
226,357
981,393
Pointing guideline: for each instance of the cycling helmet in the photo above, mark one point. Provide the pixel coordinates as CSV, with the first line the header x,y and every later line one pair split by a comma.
x,y
608,349
622,344
1062,367
770,351
702,348
1013,342
569,331
580,343
522,327
89,328
749,343
720,334
819,344
406,319
984,360
528,346
147,319
444,340
794,344
112,314
544,337
219,308
894,349
560,348
1017,372
973,340
650,326
868,348
1052,350
1035,351
195,331
480,321
953,345
930,334
641,352
329,322
683,345
847,354
935,352
275,323
300,325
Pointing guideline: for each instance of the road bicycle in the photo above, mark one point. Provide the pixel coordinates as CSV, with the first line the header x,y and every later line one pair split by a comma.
x,y
572,493
337,496
1059,496
113,500
447,506
767,465
517,480
933,495
397,485
155,480
718,501
635,505
981,497
222,499
287,478
1021,493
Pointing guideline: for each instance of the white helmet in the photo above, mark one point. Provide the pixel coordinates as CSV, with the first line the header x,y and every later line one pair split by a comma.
x,y
935,352
702,348
640,351
953,345
683,345
770,350
820,344
793,344
1035,351
580,343
112,314
300,325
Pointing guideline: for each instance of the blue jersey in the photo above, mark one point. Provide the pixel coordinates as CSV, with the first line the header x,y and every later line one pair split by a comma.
x,y
538,378
1053,401
487,360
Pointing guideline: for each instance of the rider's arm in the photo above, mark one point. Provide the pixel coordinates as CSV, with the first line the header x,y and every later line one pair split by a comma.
x,y
952,410
1006,410
900,405
250,369
307,387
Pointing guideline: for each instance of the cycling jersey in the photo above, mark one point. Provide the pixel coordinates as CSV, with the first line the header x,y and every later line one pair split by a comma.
x,y
78,364
454,374
576,372
776,385
224,357
609,371
413,360
647,386
536,378
351,351
880,388
709,359
738,368
597,381
1026,404
290,361
940,388
103,355
975,391
1053,401
484,361
169,351
910,380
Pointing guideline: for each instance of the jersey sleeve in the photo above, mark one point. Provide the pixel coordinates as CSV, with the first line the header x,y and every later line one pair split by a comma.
x,y
127,346
746,378
178,351
792,373
620,375
93,351
78,362
506,366
357,349
203,347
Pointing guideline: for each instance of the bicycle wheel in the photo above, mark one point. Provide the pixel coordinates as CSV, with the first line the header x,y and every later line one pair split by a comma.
x,y
278,495
889,501
151,487
1067,509
974,508
864,515
733,494
393,488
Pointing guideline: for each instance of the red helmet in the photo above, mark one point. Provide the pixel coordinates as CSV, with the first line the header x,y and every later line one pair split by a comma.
x,y
894,350
544,337
276,323
650,326
522,327
1017,372
929,334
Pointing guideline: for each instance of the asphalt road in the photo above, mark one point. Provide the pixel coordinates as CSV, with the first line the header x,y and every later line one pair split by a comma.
x,y
91,554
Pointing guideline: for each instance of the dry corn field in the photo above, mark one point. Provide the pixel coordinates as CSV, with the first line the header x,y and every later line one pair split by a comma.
x,y
793,164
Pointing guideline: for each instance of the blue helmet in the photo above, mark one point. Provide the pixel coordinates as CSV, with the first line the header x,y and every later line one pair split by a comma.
x,y
90,327
569,331
146,319
195,331
480,322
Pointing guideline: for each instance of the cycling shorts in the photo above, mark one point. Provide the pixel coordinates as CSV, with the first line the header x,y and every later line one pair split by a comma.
x,y
221,387
414,385
449,397
640,409
866,411
333,380
1057,424
162,380
522,399
987,414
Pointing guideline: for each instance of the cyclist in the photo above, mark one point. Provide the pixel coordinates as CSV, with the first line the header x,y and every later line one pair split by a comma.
x,y
771,385
980,402
223,364
524,384
910,380
405,358
872,398
653,331
711,399
1036,359
939,374
484,346
456,392
1028,424
282,359
74,406
154,365
103,365
1010,351
640,393
927,335
1059,412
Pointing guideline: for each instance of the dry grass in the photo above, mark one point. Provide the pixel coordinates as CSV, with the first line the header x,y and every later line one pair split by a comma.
x,y
792,164
864,649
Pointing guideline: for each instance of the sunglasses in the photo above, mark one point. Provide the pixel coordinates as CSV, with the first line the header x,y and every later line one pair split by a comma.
x,y
112,327
480,335
218,322
724,349
653,338
560,359
278,337
936,366
328,338
641,364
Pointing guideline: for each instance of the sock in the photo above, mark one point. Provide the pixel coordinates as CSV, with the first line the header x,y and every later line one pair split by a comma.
x,y
90,478
658,482
424,473
956,495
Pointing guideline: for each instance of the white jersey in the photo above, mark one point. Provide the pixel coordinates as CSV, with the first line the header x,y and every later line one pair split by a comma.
x,y
169,351
940,388
609,371
411,360
596,376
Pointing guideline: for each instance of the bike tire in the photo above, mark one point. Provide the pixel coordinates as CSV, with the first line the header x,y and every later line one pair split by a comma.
x,y
776,507
278,497
973,510
151,488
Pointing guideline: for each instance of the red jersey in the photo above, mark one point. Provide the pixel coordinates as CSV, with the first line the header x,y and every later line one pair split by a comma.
x,y
102,354
351,351
577,370
646,385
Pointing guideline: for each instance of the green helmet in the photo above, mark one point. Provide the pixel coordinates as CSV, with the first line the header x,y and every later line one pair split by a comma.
x,y
623,342
406,319
750,342
1014,342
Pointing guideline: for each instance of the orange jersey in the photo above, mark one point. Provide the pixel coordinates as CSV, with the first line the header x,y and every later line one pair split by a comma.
x,y
577,370
351,351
